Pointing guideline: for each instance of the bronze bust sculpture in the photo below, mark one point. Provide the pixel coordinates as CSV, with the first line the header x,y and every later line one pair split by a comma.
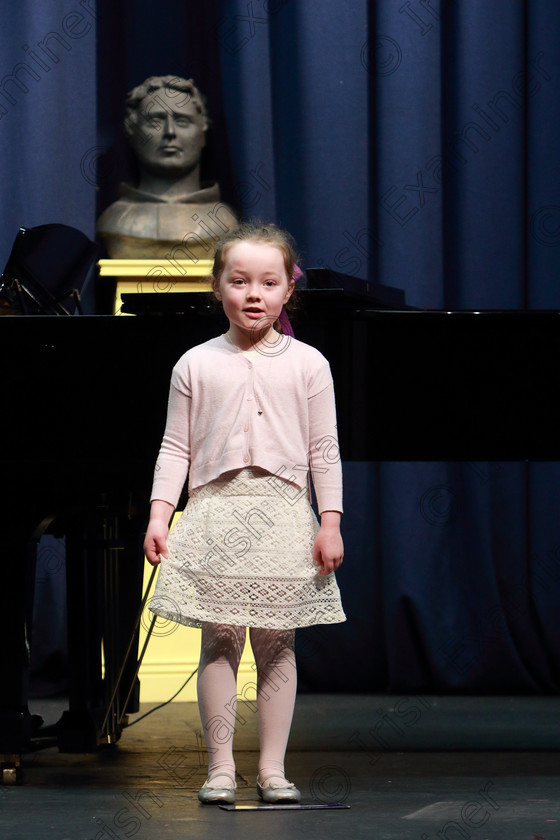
x,y
169,214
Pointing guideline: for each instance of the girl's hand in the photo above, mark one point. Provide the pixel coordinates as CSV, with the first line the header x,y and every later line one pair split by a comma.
x,y
155,542
328,549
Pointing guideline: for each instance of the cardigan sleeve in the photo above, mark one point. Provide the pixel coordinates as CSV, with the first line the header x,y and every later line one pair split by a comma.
x,y
324,452
174,456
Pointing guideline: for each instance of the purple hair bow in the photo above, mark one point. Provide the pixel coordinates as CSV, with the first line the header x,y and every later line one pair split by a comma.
x,y
283,317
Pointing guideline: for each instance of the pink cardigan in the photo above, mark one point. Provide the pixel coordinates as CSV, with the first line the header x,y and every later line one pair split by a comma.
x,y
272,408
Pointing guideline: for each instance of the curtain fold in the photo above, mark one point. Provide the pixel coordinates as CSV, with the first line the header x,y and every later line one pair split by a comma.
x,y
48,120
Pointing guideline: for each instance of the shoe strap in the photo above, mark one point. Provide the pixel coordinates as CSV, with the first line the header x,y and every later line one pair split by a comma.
x,y
267,783
219,773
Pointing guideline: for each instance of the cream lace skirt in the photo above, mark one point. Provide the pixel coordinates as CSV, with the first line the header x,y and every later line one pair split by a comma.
x,y
241,554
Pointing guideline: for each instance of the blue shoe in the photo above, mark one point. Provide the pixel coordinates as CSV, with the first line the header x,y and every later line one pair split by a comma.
x,y
225,793
279,791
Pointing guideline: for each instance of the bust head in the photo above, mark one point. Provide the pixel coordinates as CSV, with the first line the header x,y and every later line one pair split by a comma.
x,y
165,123
168,209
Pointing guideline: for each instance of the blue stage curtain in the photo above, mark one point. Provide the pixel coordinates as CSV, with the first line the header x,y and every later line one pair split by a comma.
x,y
48,174
412,142
467,172
416,143
48,120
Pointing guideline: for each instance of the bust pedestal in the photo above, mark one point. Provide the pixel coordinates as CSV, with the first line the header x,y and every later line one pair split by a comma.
x,y
154,275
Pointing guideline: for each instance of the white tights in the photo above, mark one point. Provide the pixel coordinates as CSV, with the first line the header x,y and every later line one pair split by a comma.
x,y
221,649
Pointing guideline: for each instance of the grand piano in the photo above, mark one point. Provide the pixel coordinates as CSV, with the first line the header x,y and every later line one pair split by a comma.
x,y
83,414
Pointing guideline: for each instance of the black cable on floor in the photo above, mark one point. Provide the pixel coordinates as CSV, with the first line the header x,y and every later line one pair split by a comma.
x,y
161,705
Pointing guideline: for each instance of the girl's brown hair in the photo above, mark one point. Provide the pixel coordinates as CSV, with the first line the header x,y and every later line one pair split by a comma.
x,y
268,234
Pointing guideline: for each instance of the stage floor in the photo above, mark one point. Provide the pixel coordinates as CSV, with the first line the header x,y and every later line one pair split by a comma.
x,y
408,767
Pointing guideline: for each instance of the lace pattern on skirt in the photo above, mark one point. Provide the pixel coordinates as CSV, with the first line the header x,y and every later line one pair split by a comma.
x,y
241,554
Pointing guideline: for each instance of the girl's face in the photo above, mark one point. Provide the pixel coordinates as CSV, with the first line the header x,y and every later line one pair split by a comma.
x,y
253,287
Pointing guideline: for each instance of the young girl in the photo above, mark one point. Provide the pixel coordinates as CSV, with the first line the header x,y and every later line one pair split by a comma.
x,y
250,413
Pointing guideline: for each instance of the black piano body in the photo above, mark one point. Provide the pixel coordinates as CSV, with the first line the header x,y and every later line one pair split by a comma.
x,y
84,411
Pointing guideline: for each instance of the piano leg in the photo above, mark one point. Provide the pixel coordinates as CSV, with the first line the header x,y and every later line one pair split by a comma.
x,y
104,582
104,568
16,601
125,567
78,728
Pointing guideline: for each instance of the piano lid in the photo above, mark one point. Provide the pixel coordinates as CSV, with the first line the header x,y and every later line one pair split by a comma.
x,y
375,295
324,289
